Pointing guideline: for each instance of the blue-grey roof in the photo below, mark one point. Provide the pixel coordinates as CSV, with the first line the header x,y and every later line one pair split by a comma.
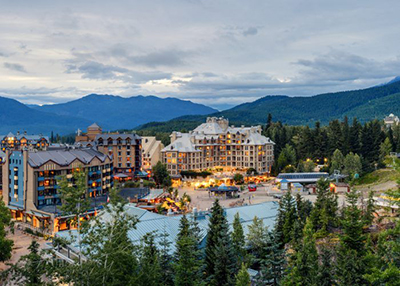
x,y
115,137
64,157
152,222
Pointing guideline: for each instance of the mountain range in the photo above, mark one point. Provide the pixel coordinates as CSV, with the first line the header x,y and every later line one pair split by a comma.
x,y
365,104
168,114
109,111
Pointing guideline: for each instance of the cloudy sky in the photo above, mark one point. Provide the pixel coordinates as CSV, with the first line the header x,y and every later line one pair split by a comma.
x,y
220,53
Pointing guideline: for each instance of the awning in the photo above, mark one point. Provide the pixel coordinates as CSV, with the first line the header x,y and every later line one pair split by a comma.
x,y
15,208
120,175
37,214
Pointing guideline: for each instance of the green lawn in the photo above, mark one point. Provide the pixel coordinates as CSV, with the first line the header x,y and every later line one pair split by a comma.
x,y
378,176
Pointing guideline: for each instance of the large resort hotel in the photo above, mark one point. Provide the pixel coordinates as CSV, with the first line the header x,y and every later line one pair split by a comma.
x,y
215,144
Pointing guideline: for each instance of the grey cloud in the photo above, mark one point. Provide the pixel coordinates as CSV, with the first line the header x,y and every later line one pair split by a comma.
x,y
171,58
341,66
251,31
98,71
14,67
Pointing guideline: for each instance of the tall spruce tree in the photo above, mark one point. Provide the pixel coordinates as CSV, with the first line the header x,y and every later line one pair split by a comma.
x,y
286,217
149,263
350,262
324,212
187,260
305,264
273,261
219,257
238,241
326,275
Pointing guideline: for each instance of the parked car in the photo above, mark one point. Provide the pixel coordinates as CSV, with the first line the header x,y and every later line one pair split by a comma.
x,y
252,187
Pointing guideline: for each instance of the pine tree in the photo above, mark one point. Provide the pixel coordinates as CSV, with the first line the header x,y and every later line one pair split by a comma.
x,y
324,212
305,266
187,261
238,241
368,214
243,277
286,217
350,264
219,258
346,148
354,136
273,261
149,270
256,238
326,276
166,258
225,263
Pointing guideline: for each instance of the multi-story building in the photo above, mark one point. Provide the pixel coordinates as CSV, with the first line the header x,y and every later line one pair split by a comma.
x,y
2,160
391,120
92,131
125,149
23,141
215,144
30,182
151,152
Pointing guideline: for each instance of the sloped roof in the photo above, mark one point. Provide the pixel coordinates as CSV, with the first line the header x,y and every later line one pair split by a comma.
x,y
94,126
209,128
115,137
159,224
64,157
182,144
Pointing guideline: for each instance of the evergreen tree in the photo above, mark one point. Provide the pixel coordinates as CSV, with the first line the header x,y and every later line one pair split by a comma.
x,y
346,148
149,263
335,136
256,238
324,212
166,259
354,136
286,217
187,263
305,266
243,277
326,276
219,258
350,263
368,214
273,262
238,241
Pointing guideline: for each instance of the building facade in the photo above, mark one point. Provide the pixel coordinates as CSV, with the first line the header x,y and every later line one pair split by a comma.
x,y
391,120
23,141
151,152
30,188
125,149
215,144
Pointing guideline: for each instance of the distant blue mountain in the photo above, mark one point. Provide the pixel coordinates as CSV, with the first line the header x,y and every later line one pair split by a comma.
x,y
116,112
15,116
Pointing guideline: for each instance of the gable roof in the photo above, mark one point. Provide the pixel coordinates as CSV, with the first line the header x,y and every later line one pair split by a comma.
x,y
64,157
